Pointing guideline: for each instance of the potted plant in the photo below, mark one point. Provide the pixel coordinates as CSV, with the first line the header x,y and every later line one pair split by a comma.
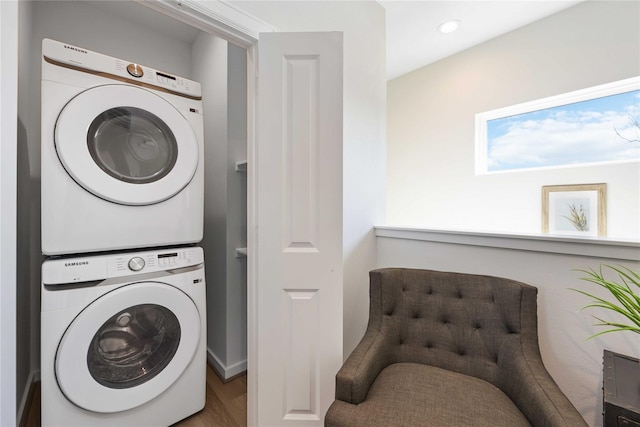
x,y
620,372
625,301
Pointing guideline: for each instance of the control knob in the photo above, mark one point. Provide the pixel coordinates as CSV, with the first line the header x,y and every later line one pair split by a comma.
x,y
135,70
136,264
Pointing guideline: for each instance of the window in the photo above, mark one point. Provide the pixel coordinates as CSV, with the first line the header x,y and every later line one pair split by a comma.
x,y
595,125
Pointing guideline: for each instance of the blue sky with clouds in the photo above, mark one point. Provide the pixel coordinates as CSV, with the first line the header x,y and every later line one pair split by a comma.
x,y
583,132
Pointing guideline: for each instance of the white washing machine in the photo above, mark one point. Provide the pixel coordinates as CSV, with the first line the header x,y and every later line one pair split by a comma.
x,y
123,339
122,145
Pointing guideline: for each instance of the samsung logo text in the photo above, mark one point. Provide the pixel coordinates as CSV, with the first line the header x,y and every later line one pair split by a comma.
x,y
77,49
76,263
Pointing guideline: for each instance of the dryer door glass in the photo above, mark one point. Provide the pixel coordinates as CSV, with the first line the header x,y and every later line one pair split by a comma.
x,y
132,145
133,346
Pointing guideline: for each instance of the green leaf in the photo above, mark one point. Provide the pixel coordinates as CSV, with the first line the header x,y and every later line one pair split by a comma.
x,y
625,302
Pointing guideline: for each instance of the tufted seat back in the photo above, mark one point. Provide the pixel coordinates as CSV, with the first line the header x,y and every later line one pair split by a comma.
x,y
454,321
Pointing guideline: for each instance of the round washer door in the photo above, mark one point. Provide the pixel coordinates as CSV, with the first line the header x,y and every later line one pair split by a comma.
x,y
126,145
127,347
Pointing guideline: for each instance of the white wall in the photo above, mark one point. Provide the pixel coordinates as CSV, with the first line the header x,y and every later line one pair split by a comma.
x,y
431,181
573,361
210,59
431,111
28,221
363,25
8,155
221,68
236,301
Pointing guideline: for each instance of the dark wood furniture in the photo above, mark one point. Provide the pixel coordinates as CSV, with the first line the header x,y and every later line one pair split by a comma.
x,y
621,377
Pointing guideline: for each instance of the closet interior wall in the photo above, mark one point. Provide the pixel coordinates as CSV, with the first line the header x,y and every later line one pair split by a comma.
x,y
132,31
221,67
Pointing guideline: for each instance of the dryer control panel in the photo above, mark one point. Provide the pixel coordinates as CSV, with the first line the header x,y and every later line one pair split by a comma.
x,y
123,264
77,58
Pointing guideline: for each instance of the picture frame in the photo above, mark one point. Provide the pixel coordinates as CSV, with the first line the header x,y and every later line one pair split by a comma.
x,y
574,210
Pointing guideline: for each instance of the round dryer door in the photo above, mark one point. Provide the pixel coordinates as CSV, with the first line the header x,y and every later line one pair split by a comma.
x,y
126,144
127,347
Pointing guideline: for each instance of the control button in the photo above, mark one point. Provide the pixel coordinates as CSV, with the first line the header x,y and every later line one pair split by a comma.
x,y
136,264
135,70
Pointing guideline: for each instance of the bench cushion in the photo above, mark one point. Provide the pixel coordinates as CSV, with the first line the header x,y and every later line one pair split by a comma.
x,y
410,394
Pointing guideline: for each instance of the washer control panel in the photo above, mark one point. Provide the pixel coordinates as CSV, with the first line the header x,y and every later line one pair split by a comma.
x,y
63,271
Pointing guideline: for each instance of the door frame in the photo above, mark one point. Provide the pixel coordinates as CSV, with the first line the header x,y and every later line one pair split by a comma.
x,y
242,29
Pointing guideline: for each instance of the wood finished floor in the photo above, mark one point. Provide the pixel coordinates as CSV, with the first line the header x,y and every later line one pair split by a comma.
x,y
226,405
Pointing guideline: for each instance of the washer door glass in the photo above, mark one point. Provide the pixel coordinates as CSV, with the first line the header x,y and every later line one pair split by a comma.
x,y
127,347
132,145
127,145
133,346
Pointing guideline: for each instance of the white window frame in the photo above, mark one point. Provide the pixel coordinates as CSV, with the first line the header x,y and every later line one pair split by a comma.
x,y
481,143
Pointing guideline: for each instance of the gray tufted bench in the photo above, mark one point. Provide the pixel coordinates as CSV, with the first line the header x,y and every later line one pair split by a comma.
x,y
448,349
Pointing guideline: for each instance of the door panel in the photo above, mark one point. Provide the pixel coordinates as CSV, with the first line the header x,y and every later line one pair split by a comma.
x,y
299,219
126,144
77,379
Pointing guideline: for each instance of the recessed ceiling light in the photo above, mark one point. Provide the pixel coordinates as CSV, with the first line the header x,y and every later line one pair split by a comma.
x,y
449,26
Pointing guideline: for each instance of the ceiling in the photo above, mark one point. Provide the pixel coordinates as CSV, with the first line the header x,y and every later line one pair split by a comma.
x,y
413,40
412,37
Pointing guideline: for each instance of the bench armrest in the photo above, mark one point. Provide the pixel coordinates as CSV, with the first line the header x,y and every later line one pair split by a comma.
x,y
360,370
527,382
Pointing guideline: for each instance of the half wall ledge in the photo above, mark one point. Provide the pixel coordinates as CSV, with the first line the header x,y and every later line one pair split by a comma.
x,y
597,247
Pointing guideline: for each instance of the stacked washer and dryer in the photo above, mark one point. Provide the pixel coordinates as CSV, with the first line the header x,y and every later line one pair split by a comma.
x,y
123,309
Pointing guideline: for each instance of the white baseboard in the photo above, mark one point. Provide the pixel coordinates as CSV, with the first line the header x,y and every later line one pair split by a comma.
x,y
225,372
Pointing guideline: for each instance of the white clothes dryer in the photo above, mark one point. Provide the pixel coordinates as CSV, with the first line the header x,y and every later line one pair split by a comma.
x,y
122,145
123,338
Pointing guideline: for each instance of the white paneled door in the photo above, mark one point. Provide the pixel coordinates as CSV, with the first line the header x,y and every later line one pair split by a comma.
x,y
299,226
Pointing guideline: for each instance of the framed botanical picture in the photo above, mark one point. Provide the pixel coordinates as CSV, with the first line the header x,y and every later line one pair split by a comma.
x,y
574,210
